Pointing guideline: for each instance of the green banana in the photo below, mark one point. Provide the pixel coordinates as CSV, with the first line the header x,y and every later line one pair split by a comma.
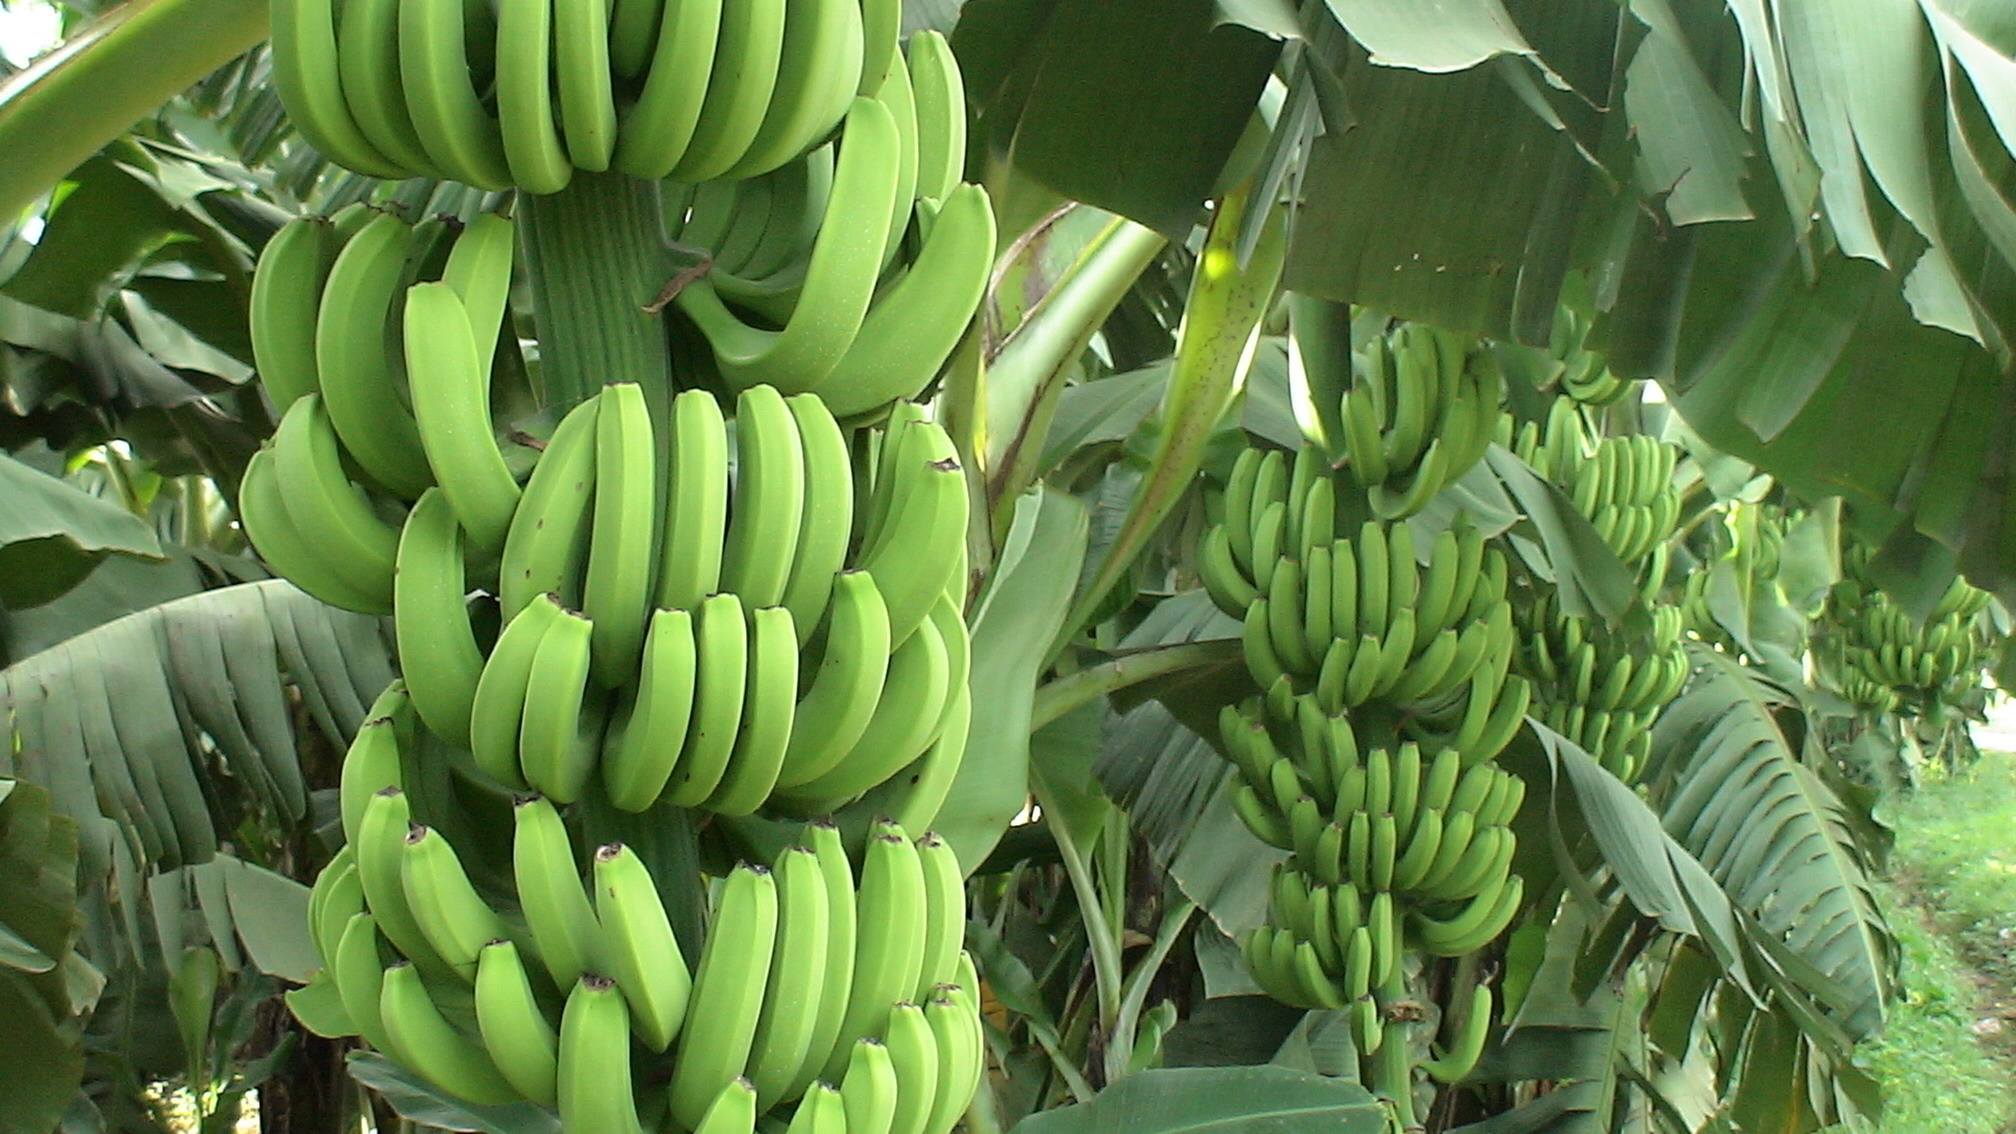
x,y
456,920
548,540
727,998
515,1031
425,1041
497,713
721,638
644,955
767,707
564,927
450,383
595,1086
354,361
617,594
798,969
696,505
648,733
560,733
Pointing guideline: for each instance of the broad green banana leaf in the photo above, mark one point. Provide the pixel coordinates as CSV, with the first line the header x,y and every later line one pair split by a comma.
x,y
155,731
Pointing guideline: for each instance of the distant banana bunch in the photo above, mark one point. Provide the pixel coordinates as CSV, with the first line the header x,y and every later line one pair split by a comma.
x,y
658,626
1422,407
1585,375
1622,485
1755,541
525,93
847,997
1400,841
1884,660
854,271
1602,689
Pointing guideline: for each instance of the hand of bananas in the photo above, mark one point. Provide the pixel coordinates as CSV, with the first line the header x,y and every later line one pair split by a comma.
x,y
1584,375
1600,688
1622,485
680,631
854,270
851,999
1421,408
524,94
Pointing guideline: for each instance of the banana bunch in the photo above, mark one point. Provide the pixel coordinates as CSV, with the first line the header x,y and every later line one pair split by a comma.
x,y
804,971
809,288
1622,485
525,94
1602,689
1882,659
1423,405
663,638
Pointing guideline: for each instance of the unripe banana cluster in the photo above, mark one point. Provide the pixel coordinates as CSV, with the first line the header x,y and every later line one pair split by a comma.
x,y
1602,688
850,998
1622,485
851,272
1585,375
1755,535
525,94
1401,841
1422,408
675,630
1883,660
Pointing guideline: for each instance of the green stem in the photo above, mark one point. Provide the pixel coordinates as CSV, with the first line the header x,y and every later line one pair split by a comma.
x,y
599,259
1120,1051
1061,696
1106,969
1392,1071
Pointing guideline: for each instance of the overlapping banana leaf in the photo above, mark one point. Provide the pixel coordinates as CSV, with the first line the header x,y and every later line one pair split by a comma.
x,y
157,731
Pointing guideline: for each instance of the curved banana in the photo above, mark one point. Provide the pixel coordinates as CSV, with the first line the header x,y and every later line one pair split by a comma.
x,y
286,294
913,1049
425,1041
921,541
917,322
869,1087
380,850
548,541
451,403
818,72
659,126
733,1111
644,955
827,518
533,150
369,766
767,707
798,969
905,721
515,1031
358,967
839,275
722,639
307,75
564,927
842,928
648,733
321,498
438,653
582,76
262,511
617,594
560,732
595,1087
441,95
940,95
359,387
696,503
497,713
747,55
727,995
889,943
769,499
455,919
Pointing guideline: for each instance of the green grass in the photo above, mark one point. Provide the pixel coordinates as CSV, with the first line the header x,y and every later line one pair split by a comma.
x,y
1951,901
